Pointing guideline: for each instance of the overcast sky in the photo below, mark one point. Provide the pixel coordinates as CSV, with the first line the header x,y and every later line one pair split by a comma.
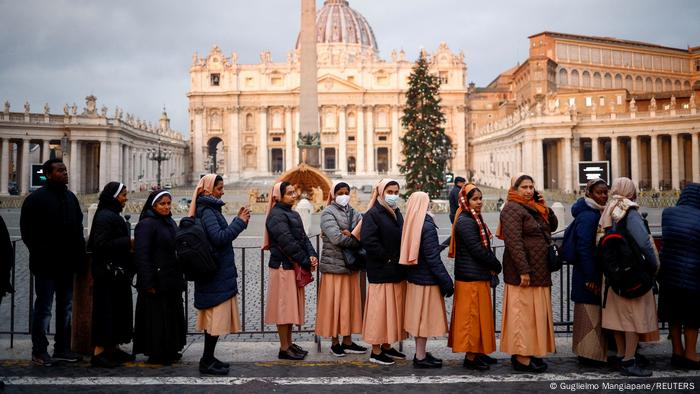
x,y
136,53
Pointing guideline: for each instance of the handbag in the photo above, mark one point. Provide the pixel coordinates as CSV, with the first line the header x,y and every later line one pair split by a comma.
x,y
302,276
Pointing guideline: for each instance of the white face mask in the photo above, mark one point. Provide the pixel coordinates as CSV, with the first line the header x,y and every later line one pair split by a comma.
x,y
391,199
342,200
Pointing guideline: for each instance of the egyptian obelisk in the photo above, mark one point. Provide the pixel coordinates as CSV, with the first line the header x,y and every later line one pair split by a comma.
x,y
309,136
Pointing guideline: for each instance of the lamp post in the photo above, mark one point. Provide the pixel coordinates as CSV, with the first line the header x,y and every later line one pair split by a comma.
x,y
159,156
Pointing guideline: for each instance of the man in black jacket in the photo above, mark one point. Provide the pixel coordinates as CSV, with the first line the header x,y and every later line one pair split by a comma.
x,y
454,197
51,223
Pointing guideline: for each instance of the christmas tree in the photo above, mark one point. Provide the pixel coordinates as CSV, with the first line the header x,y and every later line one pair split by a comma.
x,y
426,147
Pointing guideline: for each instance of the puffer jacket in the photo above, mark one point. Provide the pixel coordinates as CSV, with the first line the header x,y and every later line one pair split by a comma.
x,y
222,285
430,269
680,255
334,219
525,246
585,267
288,240
381,238
473,262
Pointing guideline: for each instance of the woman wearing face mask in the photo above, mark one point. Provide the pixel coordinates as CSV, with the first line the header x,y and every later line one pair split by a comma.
x,y
112,271
215,297
339,309
380,236
476,271
160,327
589,341
528,329
428,280
288,244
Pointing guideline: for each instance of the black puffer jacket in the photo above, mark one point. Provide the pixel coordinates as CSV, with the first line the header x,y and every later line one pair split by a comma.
x,y
430,270
288,240
110,244
473,262
680,255
156,265
381,238
51,223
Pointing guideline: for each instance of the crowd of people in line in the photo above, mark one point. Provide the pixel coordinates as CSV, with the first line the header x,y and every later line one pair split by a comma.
x,y
401,254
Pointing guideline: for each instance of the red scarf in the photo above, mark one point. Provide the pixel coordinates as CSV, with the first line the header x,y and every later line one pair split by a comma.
x,y
484,231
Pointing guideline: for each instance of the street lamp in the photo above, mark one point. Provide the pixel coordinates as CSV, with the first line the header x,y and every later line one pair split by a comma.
x,y
159,156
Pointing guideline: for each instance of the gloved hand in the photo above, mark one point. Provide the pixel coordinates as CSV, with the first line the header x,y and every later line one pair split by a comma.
x,y
448,292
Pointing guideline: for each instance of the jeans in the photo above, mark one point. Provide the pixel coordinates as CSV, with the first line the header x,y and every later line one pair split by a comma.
x,y
45,288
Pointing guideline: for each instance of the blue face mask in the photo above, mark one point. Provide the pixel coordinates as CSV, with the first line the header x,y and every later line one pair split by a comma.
x,y
391,199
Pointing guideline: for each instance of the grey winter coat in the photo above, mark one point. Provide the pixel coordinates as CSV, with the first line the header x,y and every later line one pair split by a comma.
x,y
334,219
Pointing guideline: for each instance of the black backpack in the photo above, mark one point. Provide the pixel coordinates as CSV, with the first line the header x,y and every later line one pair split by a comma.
x,y
193,251
623,264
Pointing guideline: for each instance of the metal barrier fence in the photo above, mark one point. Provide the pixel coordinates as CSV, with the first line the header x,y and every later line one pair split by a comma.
x,y
252,284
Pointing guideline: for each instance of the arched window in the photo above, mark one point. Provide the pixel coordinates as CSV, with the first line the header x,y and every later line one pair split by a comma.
x,y
597,80
659,85
607,81
586,79
574,78
618,81
686,85
629,83
648,85
563,77
669,85
638,84
677,85
249,122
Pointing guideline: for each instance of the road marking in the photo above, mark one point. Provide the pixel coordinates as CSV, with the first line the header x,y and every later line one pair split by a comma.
x,y
329,380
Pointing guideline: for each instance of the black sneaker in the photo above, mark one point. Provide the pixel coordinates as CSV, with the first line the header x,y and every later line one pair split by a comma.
x,y
42,360
433,359
211,367
425,363
222,363
290,354
476,364
298,349
631,368
531,367
337,350
68,357
102,360
381,359
354,348
393,353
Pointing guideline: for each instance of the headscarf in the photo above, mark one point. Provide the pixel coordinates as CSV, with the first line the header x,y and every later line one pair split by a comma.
x,y
275,196
540,205
589,193
206,184
108,197
152,199
377,196
484,231
416,209
337,186
622,192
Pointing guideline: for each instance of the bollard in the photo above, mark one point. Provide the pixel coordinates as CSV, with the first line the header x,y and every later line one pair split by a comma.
x,y
305,208
560,213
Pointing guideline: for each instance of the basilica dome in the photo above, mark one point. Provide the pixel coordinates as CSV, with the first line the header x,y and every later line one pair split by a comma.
x,y
336,22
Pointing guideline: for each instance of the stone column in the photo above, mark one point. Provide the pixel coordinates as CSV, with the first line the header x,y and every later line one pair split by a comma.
x,y
342,142
360,159
634,160
370,141
45,151
74,170
595,149
262,142
23,182
675,163
395,143
197,143
104,160
234,144
654,164
695,154
568,166
538,158
288,139
295,133
614,158
5,166
114,162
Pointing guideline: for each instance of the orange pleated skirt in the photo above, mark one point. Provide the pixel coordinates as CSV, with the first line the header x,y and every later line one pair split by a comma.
x,y
219,320
425,314
384,313
472,329
285,301
339,307
528,327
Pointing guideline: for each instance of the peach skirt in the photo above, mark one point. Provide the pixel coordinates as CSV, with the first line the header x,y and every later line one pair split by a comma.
x,y
425,314
339,308
632,315
384,313
472,326
219,320
285,301
528,327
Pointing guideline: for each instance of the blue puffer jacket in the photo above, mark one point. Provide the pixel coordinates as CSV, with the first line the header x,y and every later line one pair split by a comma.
x,y
430,270
223,285
585,268
680,255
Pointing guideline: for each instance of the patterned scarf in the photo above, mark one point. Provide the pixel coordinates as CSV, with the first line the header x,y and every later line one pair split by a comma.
x,y
484,231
